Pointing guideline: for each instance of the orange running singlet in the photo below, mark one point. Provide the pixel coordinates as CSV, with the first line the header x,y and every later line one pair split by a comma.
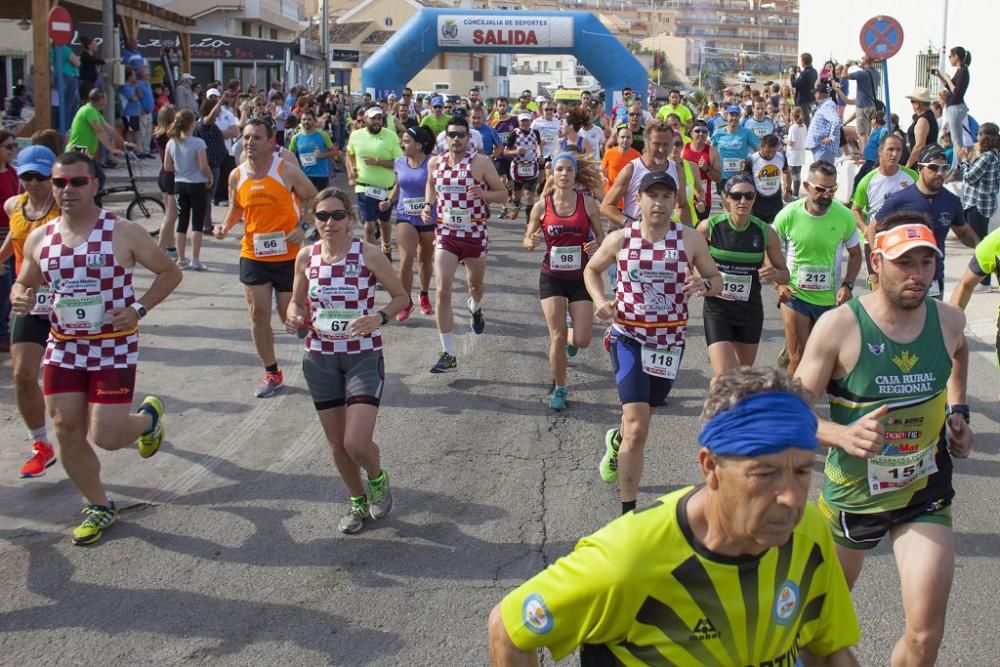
x,y
270,212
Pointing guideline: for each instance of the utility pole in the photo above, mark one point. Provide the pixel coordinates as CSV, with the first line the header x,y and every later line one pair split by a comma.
x,y
943,61
108,45
324,40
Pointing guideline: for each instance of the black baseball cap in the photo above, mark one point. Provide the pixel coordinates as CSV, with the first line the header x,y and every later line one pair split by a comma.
x,y
933,152
824,88
657,178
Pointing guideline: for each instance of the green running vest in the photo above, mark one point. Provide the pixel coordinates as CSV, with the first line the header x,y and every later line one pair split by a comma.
x,y
911,378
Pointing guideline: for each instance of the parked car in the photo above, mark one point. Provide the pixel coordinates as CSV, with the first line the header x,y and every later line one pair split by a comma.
x,y
746,77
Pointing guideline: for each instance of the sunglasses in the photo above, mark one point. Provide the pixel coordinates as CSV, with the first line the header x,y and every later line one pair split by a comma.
x,y
745,195
934,166
11,146
457,135
29,176
76,181
438,106
822,190
699,131
325,216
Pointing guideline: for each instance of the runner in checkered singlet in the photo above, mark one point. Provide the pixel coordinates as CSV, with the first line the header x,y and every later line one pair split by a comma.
x,y
654,257
455,185
86,258
334,296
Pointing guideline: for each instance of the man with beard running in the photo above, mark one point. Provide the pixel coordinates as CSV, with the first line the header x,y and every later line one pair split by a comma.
x,y
815,230
655,258
894,364
455,187
658,143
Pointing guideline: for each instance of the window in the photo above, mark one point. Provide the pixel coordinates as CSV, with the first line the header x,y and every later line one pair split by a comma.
x,y
247,29
558,64
274,33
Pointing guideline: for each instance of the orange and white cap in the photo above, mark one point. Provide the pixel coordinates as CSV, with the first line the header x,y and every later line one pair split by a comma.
x,y
894,243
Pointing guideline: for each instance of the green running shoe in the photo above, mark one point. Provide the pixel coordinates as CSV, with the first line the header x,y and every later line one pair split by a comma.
x,y
354,520
557,401
379,496
609,464
98,519
571,350
149,443
445,363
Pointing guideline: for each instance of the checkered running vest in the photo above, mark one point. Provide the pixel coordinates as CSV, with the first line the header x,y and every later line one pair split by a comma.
x,y
89,269
652,308
347,287
452,184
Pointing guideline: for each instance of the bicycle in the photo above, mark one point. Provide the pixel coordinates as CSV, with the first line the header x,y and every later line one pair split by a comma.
x,y
144,209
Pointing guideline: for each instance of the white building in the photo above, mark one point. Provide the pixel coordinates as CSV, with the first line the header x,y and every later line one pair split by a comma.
x,y
825,33
548,72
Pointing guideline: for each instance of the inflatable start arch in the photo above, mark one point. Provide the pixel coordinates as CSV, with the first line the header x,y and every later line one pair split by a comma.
x,y
434,31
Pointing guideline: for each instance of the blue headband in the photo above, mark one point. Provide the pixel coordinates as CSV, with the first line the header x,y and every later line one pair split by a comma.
x,y
565,155
761,424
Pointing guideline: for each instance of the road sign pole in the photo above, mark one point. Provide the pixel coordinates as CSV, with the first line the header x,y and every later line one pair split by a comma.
x,y
885,94
60,87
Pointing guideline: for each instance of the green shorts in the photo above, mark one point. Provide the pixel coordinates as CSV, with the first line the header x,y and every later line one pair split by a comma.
x,y
865,531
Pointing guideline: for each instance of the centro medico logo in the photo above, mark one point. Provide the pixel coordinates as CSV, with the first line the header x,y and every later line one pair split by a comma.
x,y
449,29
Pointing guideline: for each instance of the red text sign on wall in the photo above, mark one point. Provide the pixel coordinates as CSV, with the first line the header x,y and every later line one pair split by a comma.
x,y
491,30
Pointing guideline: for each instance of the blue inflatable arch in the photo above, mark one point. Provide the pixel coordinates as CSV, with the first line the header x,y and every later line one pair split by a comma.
x,y
434,31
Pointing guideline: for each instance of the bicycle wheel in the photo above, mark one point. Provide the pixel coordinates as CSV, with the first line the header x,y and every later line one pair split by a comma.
x,y
148,212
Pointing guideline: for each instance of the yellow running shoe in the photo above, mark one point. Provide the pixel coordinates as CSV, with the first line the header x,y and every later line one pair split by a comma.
x,y
149,443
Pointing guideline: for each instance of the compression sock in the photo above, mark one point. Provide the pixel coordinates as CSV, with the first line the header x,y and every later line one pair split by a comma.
x,y
448,343
39,435
273,368
628,506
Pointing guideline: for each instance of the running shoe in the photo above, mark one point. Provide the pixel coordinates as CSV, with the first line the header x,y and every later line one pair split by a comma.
x,y
149,443
354,520
183,264
571,350
513,211
609,464
557,401
503,211
379,496
478,321
445,363
272,383
387,250
196,265
404,314
171,253
44,457
425,305
99,518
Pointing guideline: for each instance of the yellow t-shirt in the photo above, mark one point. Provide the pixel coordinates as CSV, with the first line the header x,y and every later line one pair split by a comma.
x,y
645,589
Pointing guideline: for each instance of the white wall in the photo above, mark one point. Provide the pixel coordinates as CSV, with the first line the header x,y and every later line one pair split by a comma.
x,y
971,24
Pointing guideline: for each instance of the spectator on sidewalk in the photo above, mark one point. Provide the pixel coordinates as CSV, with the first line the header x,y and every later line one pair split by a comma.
x,y
90,66
130,96
185,98
804,83
68,97
823,137
90,130
147,102
982,181
9,186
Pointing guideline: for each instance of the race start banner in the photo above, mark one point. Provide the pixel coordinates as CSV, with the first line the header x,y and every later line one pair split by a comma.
x,y
489,30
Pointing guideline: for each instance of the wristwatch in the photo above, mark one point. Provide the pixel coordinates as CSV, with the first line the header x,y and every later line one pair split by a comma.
x,y
848,285
139,309
959,409
385,318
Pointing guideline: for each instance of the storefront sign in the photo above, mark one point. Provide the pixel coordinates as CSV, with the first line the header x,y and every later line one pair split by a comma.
x,y
203,47
344,56
489,30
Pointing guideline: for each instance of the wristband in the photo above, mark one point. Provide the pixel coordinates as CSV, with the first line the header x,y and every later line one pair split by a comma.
x,y
385,318
959,409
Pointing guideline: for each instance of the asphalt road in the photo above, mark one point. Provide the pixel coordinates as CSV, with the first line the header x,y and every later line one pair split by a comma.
x,y
227,551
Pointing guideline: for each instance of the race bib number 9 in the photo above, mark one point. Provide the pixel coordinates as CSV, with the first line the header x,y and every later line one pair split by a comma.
x,y
891,473
736,288
661,363
81,314
814,278
566,258
43,302
270,244
333,323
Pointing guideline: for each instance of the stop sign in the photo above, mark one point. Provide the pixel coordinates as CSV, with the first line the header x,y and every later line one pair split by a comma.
x,y
60,26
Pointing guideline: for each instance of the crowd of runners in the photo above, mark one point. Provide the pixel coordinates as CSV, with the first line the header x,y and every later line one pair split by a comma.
x,y
632,213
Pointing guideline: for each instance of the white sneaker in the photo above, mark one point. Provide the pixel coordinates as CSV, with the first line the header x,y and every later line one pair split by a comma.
x,y
197,265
